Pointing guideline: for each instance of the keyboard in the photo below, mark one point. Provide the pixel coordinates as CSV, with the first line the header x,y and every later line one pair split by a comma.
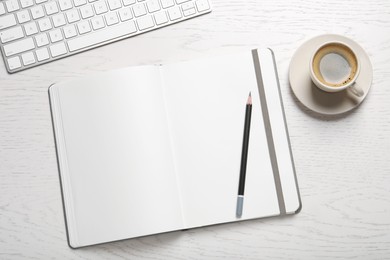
x,y
34,32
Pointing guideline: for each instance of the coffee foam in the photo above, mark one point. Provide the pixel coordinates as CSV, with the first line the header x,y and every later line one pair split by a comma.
x,y
335,65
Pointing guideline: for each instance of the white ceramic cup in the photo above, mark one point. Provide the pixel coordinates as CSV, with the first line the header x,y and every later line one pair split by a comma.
x,y
334,67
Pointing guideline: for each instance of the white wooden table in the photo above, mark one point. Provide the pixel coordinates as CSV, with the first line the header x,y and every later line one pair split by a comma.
x,y
343,163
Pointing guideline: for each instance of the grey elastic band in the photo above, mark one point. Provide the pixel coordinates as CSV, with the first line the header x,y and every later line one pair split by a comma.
x,y
268,131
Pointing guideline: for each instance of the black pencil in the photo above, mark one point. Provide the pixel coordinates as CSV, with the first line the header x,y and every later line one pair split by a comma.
x,y
244,156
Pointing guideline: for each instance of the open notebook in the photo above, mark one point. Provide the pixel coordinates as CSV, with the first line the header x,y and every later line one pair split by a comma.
x,y
150,149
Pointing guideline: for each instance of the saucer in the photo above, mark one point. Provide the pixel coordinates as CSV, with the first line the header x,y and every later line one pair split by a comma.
x,y
310,95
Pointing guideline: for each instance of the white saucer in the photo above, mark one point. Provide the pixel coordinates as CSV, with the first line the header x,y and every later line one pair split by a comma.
x,y
310,95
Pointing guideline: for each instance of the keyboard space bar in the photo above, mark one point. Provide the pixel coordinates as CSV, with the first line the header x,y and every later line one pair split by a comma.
x,y
101,36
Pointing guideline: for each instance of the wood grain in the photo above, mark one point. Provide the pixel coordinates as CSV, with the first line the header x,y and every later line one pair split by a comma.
x,y
343,162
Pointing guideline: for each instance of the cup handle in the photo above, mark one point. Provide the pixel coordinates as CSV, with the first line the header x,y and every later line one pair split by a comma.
x,y
356,90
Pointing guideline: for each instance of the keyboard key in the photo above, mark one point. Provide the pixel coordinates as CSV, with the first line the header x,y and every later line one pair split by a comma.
x,y
114,4
28,58
97,23
86,11
12,5
2,8
202,5
44,24
181,1
174,13
14,63
145,22
153,6
100,7
187,6
128,2
58,49
83,27
51,8
100,36
42,54
55,35
167,3
19,47
37,12
7,21
125,14
139,10
41,39
23,16
65,4
40,1
111,18
73,16
70,31
161,17
79,2
58,20
189,12
26,3
31,28
11,34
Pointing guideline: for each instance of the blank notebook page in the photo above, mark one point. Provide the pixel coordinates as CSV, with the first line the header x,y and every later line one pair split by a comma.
x,y
206,102
122,182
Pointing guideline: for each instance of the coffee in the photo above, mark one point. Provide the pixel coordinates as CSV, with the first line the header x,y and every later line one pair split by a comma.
x,y
335,65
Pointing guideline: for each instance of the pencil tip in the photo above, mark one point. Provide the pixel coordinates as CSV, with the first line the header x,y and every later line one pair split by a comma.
x,y
249,102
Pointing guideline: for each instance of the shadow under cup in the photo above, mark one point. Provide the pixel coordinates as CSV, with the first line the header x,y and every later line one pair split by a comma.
x,y
334,66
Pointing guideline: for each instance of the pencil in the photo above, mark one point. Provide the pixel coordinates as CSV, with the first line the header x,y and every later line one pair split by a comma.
x,y
244,156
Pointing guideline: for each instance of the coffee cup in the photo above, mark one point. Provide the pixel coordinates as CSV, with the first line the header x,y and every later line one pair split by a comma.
x,y
334,67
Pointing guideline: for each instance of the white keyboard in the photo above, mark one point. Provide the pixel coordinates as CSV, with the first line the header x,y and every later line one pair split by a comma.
x,y
33,32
